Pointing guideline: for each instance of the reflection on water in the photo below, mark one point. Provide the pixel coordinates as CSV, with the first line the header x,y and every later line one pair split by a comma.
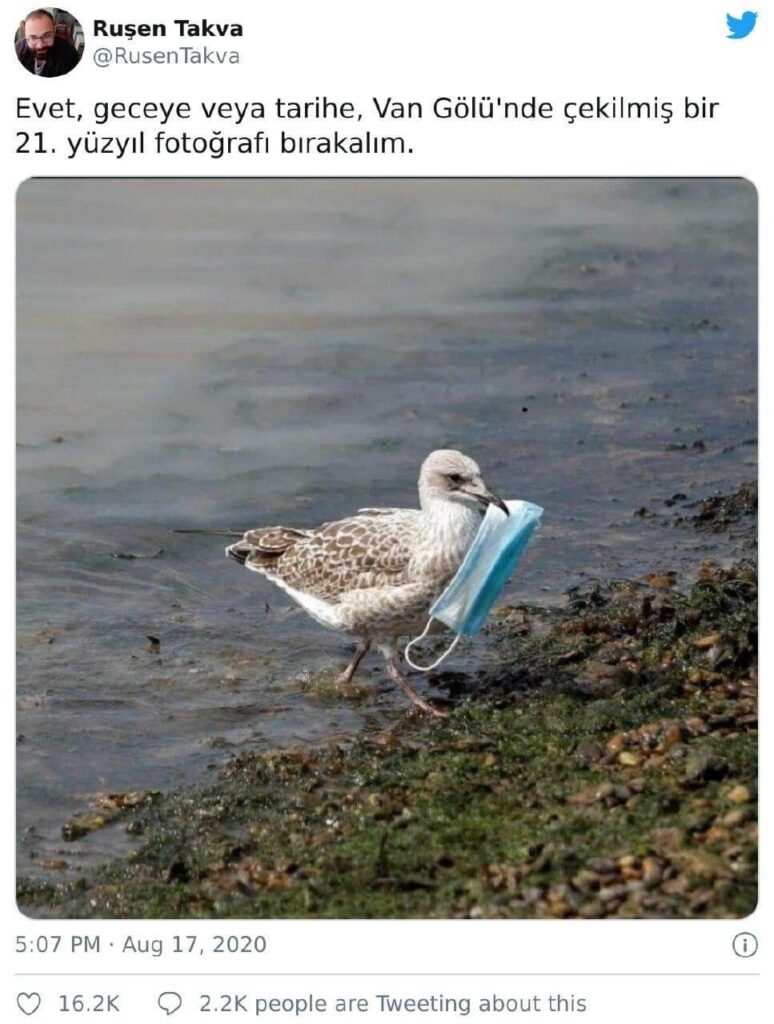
x,y
233,353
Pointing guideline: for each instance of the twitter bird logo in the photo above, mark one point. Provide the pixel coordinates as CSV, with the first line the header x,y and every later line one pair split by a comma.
x,y
739,28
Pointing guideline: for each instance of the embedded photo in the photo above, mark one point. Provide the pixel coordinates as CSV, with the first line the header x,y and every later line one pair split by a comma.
x,y
387,548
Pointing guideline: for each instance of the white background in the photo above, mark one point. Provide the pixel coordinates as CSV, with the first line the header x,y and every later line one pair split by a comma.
x,y
557,51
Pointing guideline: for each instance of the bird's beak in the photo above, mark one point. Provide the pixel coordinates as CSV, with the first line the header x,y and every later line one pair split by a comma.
x,y
494,499
484,496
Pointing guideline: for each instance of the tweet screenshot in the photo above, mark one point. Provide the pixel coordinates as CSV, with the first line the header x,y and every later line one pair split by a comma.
x,y
382,419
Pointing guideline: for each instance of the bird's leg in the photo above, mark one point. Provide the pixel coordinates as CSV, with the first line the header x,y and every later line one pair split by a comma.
x,y
346,677
394,672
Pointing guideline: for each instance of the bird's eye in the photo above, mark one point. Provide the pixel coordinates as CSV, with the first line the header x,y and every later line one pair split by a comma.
x,y
455,478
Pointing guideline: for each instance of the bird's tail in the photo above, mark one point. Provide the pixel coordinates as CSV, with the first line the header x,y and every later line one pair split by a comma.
x,y
261,548
239,552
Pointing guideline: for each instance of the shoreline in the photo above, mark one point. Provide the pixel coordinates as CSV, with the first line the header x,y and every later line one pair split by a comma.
x,y
603,764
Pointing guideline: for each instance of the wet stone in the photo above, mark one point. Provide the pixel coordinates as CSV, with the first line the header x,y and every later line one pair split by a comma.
x,y
739,795
702,767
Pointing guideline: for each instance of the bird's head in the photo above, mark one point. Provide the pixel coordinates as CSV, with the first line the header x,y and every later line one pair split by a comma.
x,y
448,475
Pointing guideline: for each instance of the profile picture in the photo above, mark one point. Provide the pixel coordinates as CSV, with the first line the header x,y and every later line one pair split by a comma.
x,y
49,42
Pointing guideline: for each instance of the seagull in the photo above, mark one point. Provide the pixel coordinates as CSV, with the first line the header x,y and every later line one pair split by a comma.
x,y
376,574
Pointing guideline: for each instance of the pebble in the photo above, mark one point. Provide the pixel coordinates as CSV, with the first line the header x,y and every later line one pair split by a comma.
x,y
590,752
628,860
615,743
672,736
701,898
72,831
701,767
738,816
705,642
739,795
592,909
661,581
585,880
601,865
629,758
651,871
597,671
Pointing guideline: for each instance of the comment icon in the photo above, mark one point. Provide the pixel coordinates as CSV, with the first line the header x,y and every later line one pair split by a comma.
x,y
170,1002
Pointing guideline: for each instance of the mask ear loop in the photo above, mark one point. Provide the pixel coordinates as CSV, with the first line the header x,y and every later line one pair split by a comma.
x,y
422,635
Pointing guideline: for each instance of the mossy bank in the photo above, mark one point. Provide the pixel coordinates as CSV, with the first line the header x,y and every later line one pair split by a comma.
x,y
607,768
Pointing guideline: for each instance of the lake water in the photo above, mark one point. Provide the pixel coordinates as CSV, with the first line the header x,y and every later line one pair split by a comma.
x,y
203,353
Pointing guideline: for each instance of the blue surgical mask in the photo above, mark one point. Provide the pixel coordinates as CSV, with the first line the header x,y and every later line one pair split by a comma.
x,y
486,568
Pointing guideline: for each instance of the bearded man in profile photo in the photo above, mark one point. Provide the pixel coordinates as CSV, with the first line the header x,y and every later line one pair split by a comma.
x,y
41,50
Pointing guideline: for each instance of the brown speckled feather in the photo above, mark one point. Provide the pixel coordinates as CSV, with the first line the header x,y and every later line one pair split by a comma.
x,y
371,549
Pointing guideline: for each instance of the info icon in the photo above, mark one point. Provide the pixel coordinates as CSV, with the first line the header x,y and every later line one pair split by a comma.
x,y
745,944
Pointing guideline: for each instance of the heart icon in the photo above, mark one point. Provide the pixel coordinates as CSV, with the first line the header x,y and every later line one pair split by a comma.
x,y
28,1002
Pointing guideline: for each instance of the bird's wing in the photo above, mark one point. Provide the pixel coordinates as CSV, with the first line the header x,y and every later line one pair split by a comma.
x,y
350,554
273,540
733,23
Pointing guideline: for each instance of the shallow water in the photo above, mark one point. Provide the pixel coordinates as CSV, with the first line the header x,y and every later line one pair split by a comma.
x,y
235,353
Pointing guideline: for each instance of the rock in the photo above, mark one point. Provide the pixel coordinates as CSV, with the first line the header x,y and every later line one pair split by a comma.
x,y
177,871
612,892
652,872
672,735
738,816
590,752
629,867
592,909
701,899
73,830
705,642
610,654
599,671
122,801
702,767
661,581
615,743
675,886
585,880
699,864
629,759
700,821
703,677
582,799
739,795
601,865
716,834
